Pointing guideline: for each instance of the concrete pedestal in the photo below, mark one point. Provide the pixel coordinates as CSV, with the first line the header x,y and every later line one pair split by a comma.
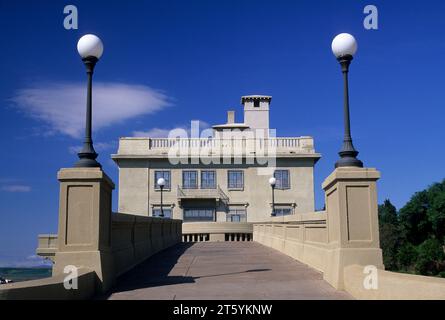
x,y
353,237
85,223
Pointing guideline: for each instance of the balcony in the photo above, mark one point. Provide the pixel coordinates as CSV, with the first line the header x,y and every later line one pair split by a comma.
x,y
210,194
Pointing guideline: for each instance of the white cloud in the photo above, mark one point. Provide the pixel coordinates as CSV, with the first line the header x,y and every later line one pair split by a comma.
x,y
152,133
163,132
62,105
16,188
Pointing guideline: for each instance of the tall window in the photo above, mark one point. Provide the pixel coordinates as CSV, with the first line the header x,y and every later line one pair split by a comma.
x,y
156,212
189,179
208,179
166,176
235,179
236,215
200,214
282,177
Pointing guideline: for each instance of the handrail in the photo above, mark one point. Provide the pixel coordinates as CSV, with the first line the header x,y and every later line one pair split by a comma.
x,y
180,193
197,190
222,195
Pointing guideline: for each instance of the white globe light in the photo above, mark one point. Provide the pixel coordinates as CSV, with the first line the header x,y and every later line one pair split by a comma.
x,y
161,182
90,46
344,44
272,181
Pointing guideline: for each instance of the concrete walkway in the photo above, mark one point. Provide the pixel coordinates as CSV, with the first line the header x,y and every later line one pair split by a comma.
x,y
223,270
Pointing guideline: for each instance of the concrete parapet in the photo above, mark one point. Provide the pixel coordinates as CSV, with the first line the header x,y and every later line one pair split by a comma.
x,y
392,285
217,231
346,234
51,288
47,246
91,237
135,238
301,236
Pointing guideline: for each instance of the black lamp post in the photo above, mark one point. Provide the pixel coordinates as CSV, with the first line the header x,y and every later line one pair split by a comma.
x,y
272,182
161,184
344,47
90,48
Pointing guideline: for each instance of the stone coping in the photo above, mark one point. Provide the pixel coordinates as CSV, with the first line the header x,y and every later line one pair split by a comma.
x,y
351,174
83,174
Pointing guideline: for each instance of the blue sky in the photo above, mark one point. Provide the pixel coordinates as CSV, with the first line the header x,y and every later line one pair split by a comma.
x,y
168,62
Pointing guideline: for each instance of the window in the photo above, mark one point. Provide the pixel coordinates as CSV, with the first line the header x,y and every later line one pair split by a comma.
x,y
256,103
235,179
189,179
200,214
284,211
208,179
282,177
236,215
156,212
165,175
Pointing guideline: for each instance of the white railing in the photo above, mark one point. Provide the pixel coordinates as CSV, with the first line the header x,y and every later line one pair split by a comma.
x,y
201,192
216,146
235,145
159,143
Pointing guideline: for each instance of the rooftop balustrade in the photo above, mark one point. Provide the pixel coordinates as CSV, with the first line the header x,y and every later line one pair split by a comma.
x,y
241,146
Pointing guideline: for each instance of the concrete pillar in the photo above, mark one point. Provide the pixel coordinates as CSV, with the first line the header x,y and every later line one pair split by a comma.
x,y
352,218
85,223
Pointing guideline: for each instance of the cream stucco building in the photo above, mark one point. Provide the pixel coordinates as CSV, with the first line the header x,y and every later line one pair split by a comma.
x,y
220,175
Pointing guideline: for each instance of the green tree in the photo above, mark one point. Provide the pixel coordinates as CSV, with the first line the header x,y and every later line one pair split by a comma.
x,y
406,257
436,210
423,217
388,213
416,244
414,221
430,258
389,234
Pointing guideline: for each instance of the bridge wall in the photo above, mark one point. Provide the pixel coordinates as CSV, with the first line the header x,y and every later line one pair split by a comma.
x,y
216,231
51,288
393,286
346,233
100,244
304,237
135,238
47,246
343,240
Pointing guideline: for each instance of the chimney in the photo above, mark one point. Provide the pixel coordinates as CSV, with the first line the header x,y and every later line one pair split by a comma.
x,y
230,117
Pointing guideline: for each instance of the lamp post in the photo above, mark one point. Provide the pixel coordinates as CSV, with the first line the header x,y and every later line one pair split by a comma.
x,y
161,184
90,48
344,47
273,182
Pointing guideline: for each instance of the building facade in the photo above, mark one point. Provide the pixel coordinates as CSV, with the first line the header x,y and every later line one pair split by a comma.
x,y
221,175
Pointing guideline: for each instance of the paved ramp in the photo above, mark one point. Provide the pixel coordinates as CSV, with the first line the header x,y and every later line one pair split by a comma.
x,y
223,270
